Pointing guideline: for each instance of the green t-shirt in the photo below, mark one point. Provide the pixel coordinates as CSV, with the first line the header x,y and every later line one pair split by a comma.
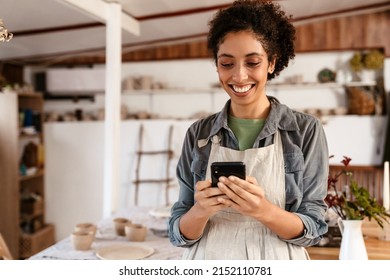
x,y
245,130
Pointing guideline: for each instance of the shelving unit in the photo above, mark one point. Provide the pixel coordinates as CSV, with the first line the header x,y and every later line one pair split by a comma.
x,y
22,193
320,85
271,85
163,102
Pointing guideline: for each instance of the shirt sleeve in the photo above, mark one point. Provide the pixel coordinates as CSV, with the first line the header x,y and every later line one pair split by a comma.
x,y
313,207
176,238
184,173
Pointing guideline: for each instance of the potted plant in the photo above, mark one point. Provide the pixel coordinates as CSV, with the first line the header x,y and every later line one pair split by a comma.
x,y
359,204
365,64
352,205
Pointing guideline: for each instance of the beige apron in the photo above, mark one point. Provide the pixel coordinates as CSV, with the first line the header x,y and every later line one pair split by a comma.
x,y
230,235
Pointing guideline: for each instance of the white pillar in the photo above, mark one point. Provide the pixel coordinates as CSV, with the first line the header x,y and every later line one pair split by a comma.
x,y
112,108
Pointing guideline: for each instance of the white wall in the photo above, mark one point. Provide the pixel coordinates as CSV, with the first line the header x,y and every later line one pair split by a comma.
x,y
75,162
358,137
73,174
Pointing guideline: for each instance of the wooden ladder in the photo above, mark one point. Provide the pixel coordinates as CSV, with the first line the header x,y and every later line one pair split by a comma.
x,y
140,153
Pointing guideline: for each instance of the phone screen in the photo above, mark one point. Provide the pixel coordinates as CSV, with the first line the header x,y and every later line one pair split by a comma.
x,y
218,169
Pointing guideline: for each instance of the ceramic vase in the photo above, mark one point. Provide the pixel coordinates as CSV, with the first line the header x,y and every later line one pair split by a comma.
x,y
367,75
352,242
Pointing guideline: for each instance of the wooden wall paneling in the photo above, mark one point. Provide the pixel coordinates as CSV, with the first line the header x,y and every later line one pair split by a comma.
x,y
372,30
300,36
346,33
384,33
356,26
320,36
370,177
354,32
332,31
197,49
342,33
378,31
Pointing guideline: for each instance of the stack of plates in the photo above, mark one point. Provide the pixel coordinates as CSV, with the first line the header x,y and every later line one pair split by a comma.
x,y
125,252
161,212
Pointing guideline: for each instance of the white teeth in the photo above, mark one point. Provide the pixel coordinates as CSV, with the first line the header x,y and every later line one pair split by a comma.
x,y
241,89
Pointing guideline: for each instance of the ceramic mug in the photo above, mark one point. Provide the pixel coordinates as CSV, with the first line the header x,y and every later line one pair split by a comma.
x,y
82,240
86,227
120,225
135,232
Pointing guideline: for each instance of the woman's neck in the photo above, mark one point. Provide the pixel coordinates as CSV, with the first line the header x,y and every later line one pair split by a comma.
x,y
257,110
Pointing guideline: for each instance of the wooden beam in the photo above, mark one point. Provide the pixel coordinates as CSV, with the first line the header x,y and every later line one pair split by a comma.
x,y
98,9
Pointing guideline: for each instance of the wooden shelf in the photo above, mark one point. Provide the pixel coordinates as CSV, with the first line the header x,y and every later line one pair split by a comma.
x,y
274,86
170,91
29,217
30,95
319,85
29,136
38,174
13,186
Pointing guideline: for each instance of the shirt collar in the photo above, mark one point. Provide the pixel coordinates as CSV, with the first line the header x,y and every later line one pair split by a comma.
x,y
280,117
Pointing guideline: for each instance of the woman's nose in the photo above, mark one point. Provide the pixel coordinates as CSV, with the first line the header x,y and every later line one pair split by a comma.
x,y
239,73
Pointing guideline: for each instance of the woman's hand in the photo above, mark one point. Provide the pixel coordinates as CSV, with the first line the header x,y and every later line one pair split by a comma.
x,y
206,198
245,196
193,222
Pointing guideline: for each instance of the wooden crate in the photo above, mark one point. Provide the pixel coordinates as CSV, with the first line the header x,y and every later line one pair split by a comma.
x,y
30,244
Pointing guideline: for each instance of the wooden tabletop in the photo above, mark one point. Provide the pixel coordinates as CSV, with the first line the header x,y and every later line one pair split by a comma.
x,y
377,249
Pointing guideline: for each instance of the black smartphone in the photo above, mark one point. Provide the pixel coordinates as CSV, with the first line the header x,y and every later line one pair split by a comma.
x,y
218,169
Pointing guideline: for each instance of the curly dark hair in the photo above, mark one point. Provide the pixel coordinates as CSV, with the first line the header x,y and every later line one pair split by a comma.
x,y
266,20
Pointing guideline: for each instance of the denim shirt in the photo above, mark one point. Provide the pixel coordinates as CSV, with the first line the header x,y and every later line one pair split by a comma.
x,y
306,163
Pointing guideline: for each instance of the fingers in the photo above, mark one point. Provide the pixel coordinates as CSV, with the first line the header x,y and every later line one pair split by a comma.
x,y
206,197
201,185
234,189
235,184
252,180
243,195
205,190
241,191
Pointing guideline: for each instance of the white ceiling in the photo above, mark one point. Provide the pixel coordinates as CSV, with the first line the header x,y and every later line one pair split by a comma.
x,y
52,28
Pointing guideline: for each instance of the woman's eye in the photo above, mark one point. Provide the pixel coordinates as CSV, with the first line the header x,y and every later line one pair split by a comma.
x,y
226,65
253,64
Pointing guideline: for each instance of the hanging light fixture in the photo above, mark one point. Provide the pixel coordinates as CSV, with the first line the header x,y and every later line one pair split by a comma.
x,y
5,36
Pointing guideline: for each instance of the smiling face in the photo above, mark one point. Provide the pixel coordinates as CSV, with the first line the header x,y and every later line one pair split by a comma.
x,y
243,66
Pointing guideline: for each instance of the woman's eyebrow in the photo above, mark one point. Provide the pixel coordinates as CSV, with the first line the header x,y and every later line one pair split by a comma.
x,y
225,55
254,54
247,55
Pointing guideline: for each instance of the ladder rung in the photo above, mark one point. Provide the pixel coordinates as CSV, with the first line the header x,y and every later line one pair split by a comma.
x,y
153,181
154,152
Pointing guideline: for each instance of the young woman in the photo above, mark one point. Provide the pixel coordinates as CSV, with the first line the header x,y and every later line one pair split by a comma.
x,y
279,209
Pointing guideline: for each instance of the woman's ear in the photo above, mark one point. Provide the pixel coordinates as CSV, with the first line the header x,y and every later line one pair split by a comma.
x,y
271,66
